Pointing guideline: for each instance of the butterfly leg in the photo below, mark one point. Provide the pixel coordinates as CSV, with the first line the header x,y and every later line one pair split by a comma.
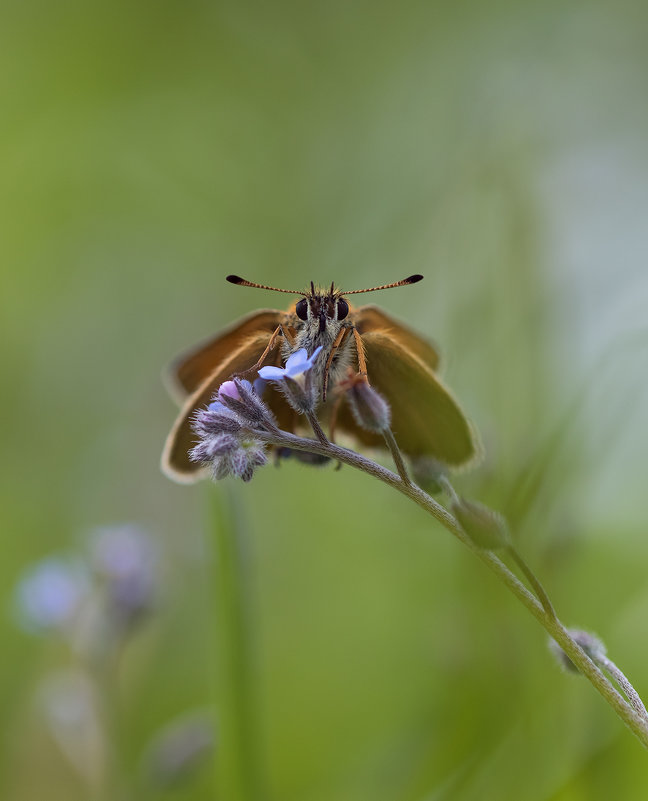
x,y
290,334
271,344
339,339
362,359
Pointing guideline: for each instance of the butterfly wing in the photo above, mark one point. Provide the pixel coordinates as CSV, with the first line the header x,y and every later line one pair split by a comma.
x,y
191,368
175,457
373,319
426,419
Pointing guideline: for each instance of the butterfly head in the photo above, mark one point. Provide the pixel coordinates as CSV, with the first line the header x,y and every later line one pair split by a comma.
x,y
320,307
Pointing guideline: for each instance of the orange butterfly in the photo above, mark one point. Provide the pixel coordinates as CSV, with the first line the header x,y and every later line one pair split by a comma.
x,y
401,365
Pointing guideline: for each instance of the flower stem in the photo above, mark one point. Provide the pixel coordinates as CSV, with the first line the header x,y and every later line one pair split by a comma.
x,y
628,690
317,428
397,456
531,577
533,580
545,615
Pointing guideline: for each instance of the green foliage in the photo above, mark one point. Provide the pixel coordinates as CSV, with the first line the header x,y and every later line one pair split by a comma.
x,y
149,149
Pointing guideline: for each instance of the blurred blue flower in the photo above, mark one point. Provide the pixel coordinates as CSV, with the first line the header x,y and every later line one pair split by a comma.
x,y
298,363
50,594
126,558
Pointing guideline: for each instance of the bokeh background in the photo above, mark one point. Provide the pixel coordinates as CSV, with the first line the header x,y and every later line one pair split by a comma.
x,y
341,644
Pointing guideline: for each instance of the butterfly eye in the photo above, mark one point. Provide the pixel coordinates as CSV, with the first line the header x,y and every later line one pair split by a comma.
x,y
342,309
302,309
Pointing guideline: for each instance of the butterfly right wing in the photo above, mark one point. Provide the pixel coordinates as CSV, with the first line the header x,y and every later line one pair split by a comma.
x,y
372,318
426,418
176,463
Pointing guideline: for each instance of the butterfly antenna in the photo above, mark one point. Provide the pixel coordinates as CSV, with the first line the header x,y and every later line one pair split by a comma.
x,y
235,279
413,279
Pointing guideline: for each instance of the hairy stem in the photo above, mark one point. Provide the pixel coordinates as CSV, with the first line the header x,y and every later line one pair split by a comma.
x,y
533,580
397,456
317,428
628,690
531,577
545,615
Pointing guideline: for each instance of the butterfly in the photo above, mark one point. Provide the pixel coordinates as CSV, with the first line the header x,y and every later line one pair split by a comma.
x,y
399,363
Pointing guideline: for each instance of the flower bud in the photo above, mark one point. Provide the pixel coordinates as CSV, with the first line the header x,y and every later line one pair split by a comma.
x,y
239,397
299,394
370,410
485,527
228,389
428,473
212,446
592,646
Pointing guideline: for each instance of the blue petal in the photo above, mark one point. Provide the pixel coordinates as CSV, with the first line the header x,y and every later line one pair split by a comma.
x,y
314,355
272,373
296,359
217,406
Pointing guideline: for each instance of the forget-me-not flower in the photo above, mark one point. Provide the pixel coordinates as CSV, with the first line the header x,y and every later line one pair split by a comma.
x,y
298,363
294,380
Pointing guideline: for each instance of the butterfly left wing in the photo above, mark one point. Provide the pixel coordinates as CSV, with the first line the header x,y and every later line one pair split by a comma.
x,y
176,463
190,369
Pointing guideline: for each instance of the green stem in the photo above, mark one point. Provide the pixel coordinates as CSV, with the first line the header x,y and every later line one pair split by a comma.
x,y
628,690
397,456
633,720
533,580
531,577
237,764
317,428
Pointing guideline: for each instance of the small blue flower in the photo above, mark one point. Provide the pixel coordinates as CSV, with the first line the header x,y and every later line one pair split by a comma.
x,y
218,407
298,363
50,593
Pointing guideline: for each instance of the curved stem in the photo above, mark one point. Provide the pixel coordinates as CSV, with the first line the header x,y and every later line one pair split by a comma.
x,y
533,580
635,721
628,690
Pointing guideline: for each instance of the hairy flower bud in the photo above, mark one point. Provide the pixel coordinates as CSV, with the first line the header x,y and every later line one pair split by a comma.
x,y
223,445
370,410
485,527
428,473
299,394
240,398
592,646
210,447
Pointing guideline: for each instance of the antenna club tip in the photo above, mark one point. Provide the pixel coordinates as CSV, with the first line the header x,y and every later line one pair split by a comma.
x,y
414,279
235,279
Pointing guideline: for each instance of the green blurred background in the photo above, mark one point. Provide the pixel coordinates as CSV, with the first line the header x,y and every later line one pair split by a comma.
x,y
147,150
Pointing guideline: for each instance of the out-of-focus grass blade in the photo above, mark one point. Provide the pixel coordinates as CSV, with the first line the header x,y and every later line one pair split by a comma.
x,y
237,764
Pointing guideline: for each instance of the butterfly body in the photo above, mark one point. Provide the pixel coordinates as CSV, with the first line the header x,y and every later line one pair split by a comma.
x,y
322,319
399,363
